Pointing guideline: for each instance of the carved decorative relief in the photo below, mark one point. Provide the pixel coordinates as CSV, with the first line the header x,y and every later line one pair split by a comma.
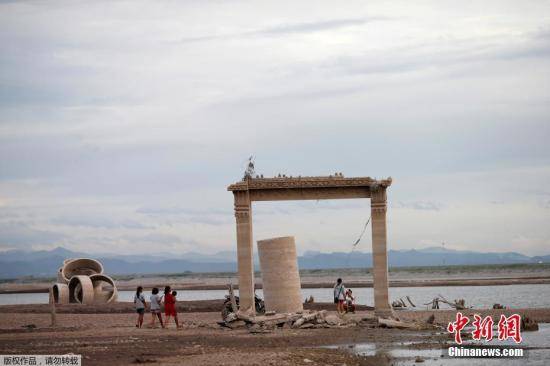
x,y
378,207
308,182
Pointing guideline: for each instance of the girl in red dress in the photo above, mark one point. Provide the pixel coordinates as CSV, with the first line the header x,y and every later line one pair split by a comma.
x,y
170,306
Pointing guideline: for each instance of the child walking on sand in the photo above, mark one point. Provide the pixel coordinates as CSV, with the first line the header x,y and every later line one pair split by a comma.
x,y
170,306
139,301
155,307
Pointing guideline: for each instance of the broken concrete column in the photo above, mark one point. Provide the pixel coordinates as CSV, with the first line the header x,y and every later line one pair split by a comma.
x,y
61,293
60,278
280,276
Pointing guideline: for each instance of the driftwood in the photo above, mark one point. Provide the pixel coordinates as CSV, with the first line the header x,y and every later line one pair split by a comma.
x,y
398,324
307,318
401,304
398,304
304,320
527,324
53,314
390,323
459,304
234,306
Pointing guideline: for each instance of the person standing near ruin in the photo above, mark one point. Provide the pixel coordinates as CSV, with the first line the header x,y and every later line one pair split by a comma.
x,y
170,306
139,301
340,296
350,301
155,307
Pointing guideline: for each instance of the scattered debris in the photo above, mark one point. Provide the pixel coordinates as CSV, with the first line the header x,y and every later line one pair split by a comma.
x,y
419,359
231,303
498,306
410,302
140,359
528,324
398,304
395,323
458,304
314,320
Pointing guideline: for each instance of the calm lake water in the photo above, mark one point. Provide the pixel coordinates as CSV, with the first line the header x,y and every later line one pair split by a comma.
x,y
526,296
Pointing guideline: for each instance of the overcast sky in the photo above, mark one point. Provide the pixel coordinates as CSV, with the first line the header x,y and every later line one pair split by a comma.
x,y
123,122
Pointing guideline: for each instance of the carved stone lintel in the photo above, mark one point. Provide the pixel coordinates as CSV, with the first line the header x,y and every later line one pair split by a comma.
x,y
308,182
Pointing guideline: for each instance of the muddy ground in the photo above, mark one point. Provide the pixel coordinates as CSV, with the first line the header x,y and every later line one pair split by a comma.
x,y
112,339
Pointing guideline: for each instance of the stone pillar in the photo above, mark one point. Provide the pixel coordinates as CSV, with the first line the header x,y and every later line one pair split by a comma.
x,y
280,276
379,252
243,215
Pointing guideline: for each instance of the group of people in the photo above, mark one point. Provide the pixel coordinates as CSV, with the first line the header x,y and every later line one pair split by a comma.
x,y
343,298
155,302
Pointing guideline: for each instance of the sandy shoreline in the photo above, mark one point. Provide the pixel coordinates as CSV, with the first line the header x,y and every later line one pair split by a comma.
x,y
111,338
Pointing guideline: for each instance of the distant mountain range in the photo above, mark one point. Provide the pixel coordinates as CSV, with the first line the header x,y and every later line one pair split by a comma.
x,y
17,263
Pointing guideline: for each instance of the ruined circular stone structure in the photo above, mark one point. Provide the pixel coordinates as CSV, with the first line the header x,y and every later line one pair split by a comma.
x,y
80,267
61,293
103,294
280,276
60,277
81,290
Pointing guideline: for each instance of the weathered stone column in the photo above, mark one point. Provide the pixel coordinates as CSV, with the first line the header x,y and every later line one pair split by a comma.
x,y
243,215
280,275
379,252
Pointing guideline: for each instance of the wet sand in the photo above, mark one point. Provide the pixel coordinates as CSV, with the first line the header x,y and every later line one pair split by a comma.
x,y
112,339
104,336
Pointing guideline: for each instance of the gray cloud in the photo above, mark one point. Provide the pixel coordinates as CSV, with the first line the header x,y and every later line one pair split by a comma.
x,y
420,205
98,222
288,29
154,239
23,236
111,116
187,215
436,55
317,26
178,210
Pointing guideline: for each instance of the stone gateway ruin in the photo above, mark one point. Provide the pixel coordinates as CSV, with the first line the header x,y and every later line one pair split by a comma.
x,y
284,188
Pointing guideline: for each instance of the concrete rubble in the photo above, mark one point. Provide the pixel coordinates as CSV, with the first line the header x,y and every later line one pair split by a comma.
x,y
316,320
